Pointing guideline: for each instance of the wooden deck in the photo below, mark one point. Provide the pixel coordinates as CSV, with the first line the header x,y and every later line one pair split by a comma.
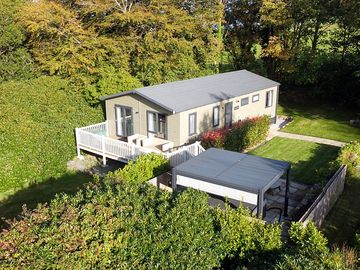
x,y
94,139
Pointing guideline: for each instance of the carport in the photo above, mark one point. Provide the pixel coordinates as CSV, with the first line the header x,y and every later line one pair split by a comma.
x,y
234,175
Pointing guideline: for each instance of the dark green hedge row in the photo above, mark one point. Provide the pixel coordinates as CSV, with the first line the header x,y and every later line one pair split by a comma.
x,y
133,226
123,225
38,118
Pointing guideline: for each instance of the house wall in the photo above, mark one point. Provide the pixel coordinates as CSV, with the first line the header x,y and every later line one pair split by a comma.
x,y
204,114
140,107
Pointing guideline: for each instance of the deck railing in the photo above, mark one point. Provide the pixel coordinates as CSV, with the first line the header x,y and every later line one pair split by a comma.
x,y
94,139
99,129
184,153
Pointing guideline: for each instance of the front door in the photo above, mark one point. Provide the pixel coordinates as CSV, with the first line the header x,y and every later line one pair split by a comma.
x,y
228,114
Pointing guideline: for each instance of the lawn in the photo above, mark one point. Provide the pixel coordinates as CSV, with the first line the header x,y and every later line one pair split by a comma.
x,y
343,221
310,161
322,121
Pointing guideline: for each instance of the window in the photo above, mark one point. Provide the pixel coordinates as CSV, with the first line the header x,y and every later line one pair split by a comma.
x,y
192,124
124,121
255,98
156,124
216,116
269,98
244,101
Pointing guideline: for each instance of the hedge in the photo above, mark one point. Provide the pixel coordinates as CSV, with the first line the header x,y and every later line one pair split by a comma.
x,y
38,118
243,134
350,155
146,167
132,226
122,225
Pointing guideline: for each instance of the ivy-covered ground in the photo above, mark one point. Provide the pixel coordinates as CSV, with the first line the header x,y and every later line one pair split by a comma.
x,y
38,118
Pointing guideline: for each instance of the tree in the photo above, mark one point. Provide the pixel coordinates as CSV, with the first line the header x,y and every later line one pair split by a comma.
x,y
242,30
15,61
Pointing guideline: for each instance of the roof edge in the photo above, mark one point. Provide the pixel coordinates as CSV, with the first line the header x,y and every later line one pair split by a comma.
x,y
134,92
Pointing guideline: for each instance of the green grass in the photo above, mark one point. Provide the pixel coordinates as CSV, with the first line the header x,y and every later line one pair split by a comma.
x,y
42,192
322,121
310,161
343,221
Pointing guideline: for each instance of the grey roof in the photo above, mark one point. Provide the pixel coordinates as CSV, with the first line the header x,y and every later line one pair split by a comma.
x,y
183,95
235,170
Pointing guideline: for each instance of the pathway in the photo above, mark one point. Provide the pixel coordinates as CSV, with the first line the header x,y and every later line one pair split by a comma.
x,y
282,122
308,138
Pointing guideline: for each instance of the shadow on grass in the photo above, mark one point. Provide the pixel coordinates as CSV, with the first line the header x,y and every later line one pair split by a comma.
x,y
43,192
317,168
312,110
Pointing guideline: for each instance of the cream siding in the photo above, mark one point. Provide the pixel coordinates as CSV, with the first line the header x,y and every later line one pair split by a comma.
x,y
205,113
139,105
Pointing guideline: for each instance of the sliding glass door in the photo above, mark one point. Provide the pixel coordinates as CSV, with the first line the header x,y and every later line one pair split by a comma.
x,y
124,121
156,124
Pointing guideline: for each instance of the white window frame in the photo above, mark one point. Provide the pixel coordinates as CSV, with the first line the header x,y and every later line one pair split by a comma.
x,y
192,130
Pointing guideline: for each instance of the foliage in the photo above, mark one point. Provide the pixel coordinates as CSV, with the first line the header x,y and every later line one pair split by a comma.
x,y
132,226
38,118
151,42
242,135
143,169
110,81
15,61
248,133
244,239
350,155
214,138
307,249
307,240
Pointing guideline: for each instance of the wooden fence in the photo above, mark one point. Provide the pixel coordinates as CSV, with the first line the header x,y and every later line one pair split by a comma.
x,y
326,200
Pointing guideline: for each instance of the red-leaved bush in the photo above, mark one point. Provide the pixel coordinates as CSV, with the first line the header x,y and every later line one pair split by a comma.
x,y
242,135
214,138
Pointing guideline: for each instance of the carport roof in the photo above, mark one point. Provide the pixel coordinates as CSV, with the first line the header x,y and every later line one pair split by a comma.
x,y
235,170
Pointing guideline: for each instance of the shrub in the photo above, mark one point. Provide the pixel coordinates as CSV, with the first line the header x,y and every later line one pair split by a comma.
x,y
243,135
146,167
350,155
38,118
307,240
248,133
307,249
214,138
244,238
127,226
